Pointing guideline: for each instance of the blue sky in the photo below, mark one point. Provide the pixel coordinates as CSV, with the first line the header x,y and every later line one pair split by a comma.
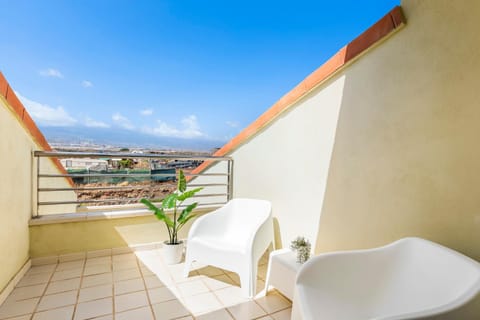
x,y
182,69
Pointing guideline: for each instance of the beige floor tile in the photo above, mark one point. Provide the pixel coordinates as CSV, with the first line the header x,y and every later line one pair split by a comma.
x,y
185,318
11,308
44,260
153,282
172,309
201,303
63,285
23,293
97,269
98,260
78,256
144,313
265,318
210,271
235,278
146,271
48,268
107,317
96,308
285,314
127,274
273,302
123,265
121,250
131,301
25,317
161,294
192,288
219,282
99,253
260,285
262,272
246,311
78,264
64,313
221,314
124,257
30,280
67,274
96,280
230,296
94,293
57,300
126,286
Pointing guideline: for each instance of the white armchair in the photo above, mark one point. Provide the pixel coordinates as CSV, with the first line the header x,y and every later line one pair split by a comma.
x,y
411,278
233,238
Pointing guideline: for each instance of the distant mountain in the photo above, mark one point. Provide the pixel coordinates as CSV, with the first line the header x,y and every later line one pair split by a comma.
x,y
124,138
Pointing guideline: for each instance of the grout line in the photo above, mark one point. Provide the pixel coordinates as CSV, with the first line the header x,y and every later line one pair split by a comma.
x,y
44,290
113,286
79,286
145,286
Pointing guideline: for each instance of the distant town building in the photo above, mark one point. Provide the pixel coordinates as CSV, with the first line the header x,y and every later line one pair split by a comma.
x,y
84,163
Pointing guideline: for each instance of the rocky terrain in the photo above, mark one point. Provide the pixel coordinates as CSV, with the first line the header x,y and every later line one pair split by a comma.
x,y
125,192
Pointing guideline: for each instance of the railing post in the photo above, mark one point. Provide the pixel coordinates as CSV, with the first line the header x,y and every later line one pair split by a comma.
x,y
37,185
230,180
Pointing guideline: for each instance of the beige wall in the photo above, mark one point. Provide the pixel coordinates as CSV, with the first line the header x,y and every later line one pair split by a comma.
x,y
63,238
404,124
16,192
406,154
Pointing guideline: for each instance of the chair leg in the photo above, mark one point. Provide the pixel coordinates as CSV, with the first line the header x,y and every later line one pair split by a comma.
x,y
248,281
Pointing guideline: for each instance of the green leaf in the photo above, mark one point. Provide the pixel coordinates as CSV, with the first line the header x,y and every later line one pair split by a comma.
x,y
182,182
188,194
180,225
169,201
186,212
159,213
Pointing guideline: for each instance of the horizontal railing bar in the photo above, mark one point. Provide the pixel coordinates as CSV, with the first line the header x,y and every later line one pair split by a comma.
x,y
207,185
122,188
118,175
55,154
51,203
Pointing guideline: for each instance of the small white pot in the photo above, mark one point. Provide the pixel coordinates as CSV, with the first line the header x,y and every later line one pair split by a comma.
x,y
172,253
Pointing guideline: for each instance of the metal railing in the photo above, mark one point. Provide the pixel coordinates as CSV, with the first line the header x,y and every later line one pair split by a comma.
x,y
82,188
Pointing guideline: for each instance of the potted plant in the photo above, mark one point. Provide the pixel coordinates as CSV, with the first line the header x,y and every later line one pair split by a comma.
x,y
173,247
302,246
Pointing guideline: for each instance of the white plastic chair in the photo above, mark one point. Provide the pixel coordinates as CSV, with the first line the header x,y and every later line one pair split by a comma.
x,y
411,278
233,238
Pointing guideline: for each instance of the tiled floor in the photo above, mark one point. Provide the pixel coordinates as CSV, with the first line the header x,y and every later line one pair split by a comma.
x,y
137,286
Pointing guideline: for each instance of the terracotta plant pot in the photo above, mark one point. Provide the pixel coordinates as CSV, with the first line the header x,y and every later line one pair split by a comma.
x,y
172,253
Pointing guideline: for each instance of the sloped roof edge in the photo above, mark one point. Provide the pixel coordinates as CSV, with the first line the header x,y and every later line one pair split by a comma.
x,y
392,21
7,93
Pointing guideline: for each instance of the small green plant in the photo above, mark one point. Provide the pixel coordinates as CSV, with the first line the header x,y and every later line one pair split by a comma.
x,y
302,246
174,201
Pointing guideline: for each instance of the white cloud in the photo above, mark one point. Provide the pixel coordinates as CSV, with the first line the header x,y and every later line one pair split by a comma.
x,y
54,73
122,121
190,129
45,115
232,124
87,84
89,122
146,112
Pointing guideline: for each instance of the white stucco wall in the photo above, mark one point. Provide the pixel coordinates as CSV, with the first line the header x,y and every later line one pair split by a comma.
x,y
288,163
